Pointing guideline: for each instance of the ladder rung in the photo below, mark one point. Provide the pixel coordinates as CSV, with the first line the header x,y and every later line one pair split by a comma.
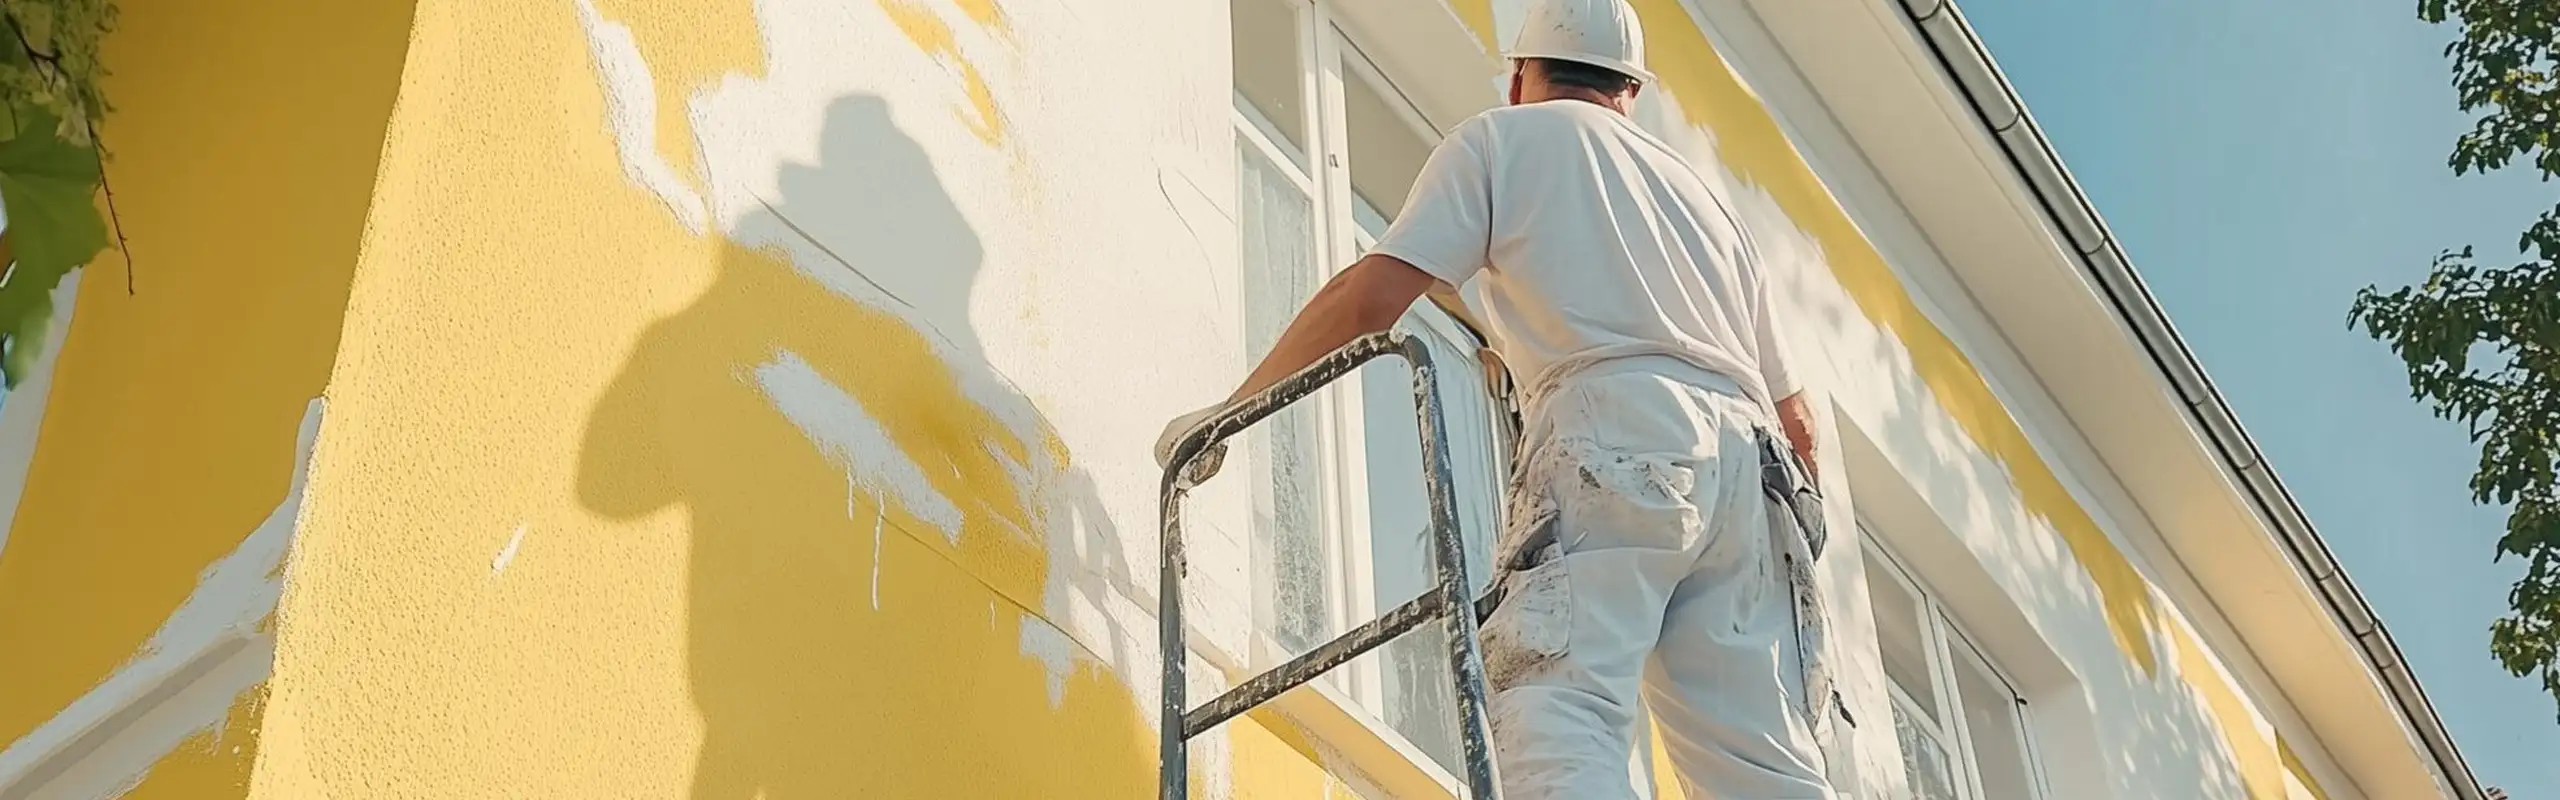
x,y
1265,686
1448,567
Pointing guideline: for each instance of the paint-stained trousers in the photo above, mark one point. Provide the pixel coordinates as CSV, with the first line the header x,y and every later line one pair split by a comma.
x,y
1639,565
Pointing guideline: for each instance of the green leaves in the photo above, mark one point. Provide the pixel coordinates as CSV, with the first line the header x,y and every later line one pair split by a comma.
x,y
2482,344
2482,347
2504,64
47,187
50,164
49,61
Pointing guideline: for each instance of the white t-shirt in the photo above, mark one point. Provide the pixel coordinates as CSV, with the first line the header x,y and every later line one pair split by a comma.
x,y
1595,241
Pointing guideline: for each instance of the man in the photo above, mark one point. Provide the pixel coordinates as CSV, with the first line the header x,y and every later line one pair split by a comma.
x,y
1641,559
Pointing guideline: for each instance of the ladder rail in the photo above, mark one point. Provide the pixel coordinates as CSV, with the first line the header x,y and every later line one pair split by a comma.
x,y
1178,722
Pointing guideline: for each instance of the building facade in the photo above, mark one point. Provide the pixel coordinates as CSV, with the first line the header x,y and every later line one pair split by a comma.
x,y
723,399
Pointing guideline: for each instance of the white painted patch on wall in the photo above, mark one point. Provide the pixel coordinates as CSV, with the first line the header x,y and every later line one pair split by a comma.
x,y
631,115
507,554
847,434
753,128
1056,652
184,680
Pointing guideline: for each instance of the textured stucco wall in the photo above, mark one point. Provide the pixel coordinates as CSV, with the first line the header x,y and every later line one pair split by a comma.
x,y
750,399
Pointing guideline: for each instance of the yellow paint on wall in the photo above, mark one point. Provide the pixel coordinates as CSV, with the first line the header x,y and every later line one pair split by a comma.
x,y
930,33
245,139
2262,757
700,599
2301,773
212,763
986,13
1478,16
689,43
2254,753
1275,759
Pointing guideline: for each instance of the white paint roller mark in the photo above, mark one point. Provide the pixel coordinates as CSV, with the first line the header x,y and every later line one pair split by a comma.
x,y
847,434
211,650
631,114
1056,652
507,554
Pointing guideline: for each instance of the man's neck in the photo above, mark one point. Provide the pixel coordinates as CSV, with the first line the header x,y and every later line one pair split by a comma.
x,y
1588,96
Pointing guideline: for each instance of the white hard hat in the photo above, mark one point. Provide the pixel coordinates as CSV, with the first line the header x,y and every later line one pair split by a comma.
x,y
1601,33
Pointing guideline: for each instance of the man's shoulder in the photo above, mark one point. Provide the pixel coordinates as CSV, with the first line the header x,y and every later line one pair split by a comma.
x,y
1552,112
1553,121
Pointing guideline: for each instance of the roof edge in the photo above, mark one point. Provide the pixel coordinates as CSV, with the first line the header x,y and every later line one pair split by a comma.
x,y
1967,64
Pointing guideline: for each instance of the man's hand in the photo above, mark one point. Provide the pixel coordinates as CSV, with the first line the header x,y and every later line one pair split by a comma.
x,y
1206,465
1795,417
1365,299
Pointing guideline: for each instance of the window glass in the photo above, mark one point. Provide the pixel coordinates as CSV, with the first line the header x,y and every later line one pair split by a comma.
x,y
1277,235
1387,149
1991,723
1924,756
1341,521
1416,696
1900,627
1270,70
1959,722
1417,682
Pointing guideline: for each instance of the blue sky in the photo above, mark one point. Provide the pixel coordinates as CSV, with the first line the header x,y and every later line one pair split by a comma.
x,y
2263,160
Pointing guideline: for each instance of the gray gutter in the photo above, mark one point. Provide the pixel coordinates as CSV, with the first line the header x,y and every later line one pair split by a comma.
x,y
1995,104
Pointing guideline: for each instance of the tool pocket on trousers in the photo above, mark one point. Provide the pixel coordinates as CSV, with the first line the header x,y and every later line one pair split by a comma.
x,y
1532,618
1534,623
1611,498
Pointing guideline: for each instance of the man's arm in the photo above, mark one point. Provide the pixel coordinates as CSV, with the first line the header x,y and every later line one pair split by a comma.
x,y
1367,298
1441,237
1795,415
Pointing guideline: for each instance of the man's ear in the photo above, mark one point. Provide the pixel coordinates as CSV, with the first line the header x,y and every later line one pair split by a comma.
x,y
1627,100
1519,73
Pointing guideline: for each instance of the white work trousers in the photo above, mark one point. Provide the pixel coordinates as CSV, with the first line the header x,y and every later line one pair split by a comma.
x,y
1639,562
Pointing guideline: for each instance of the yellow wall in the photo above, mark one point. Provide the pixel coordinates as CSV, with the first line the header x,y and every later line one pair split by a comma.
x,y
540,360
244,141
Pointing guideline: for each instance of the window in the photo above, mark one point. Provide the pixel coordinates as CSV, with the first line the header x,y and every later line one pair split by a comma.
x,y
1960,721
1326,149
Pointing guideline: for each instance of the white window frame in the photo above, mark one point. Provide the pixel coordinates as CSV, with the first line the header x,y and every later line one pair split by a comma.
x,y
1345,227
1940,633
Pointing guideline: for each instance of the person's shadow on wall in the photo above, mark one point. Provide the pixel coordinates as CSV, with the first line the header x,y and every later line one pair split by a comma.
x,y
867,504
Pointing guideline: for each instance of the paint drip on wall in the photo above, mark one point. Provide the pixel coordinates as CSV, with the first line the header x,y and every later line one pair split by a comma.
x,y
837,423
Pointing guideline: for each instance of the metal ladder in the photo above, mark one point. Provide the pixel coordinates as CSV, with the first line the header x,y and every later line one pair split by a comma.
x,y
1444,602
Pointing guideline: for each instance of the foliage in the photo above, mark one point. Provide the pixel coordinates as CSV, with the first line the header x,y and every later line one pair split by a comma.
x,y
51,167
2482,342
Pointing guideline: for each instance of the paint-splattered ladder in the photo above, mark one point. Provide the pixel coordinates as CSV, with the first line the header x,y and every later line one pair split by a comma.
x,y
1180,722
